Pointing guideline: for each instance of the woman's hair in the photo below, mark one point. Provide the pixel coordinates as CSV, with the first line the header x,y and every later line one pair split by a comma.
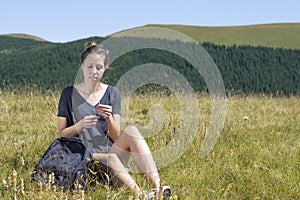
x,y
92,47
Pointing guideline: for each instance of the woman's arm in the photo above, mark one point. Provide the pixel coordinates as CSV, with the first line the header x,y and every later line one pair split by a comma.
x,y
64,131
113,125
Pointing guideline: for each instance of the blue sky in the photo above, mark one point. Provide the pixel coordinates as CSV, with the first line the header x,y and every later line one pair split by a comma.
x,y
68,20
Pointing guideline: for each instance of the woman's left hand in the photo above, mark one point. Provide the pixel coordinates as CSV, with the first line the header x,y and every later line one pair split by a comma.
x,y
105,110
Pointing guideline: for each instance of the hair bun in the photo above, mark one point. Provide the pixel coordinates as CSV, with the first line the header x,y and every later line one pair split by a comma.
x,y
90,44
93,47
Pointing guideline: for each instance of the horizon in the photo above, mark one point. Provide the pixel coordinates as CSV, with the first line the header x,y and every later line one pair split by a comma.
x,y
38,37
63,21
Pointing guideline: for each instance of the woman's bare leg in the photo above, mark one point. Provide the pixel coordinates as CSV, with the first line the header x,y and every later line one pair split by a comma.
x,y
132,143
115,166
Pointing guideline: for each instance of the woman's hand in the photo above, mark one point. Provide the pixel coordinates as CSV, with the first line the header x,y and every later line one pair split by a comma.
x,y
113,121
88,121
104,110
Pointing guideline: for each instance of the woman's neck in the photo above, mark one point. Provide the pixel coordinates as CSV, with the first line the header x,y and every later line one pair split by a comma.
x,y
92,94
91,88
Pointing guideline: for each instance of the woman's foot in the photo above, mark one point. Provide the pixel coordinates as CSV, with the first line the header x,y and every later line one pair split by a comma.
x,y
165,193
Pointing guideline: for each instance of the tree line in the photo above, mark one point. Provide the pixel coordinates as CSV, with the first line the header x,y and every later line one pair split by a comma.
x,y
244,69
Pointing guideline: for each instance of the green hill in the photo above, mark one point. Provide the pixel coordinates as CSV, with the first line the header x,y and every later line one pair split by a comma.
x,y
10,43
285,35
252,68
24,36
268,35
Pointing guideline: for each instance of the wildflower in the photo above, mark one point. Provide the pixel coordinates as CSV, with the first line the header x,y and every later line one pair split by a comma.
x,y
5,184
22,186
246,118
14,174
22,161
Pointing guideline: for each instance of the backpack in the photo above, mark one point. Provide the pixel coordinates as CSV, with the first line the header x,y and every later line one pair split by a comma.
x,y
68,159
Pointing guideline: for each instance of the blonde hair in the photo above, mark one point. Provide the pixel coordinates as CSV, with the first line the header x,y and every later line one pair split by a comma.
x,y
93,47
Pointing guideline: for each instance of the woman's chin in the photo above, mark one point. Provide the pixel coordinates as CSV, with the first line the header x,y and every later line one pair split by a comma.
x,y
94,79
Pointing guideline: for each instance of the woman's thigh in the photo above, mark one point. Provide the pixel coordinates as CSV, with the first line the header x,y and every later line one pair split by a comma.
x,y
130,141
121,149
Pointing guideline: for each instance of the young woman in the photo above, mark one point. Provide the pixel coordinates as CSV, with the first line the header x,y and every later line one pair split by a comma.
x,y
91,110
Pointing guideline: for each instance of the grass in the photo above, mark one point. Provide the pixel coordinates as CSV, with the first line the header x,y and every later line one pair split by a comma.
x,y
268,35
24,36
255,158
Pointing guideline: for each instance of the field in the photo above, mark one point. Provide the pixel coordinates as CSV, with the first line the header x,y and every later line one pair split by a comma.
x,y
256,157
267,35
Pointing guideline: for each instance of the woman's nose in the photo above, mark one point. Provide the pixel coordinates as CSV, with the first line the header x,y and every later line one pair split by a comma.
x,y
94,70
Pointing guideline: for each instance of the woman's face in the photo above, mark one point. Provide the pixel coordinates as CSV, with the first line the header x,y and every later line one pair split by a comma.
x,y
93,67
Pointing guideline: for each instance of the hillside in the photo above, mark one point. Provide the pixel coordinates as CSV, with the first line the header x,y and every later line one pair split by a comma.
x,y
25,36
9,43
244,68
267,35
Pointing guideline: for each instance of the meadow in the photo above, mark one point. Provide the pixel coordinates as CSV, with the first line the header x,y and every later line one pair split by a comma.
x,y
268,35
256,157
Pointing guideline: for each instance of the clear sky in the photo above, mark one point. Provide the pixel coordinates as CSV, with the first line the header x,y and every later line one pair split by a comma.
x,y
68,20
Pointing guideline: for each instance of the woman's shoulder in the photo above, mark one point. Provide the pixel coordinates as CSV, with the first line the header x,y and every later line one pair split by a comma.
x,y
68,89
113,89
69,92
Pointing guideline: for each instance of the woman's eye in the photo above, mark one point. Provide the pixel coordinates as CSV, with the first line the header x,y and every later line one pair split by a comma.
x,y
99,67
89,66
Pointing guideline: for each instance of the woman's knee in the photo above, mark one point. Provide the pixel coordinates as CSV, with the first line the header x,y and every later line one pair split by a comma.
x,y
115,163
112,159
132,131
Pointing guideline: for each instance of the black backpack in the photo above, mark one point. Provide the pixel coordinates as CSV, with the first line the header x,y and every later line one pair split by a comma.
x,y
68,159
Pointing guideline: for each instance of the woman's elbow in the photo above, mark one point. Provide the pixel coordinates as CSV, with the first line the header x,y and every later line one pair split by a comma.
x,y
59,133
